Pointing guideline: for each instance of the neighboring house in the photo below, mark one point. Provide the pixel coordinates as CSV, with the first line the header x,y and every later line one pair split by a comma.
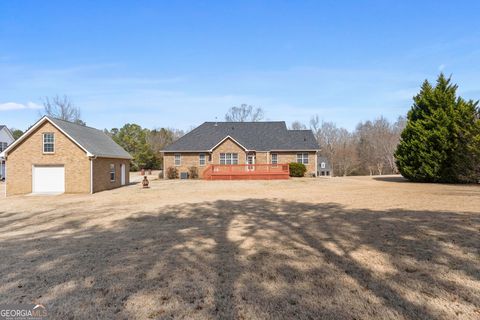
x,y
232,143
56,156
324,168
6,138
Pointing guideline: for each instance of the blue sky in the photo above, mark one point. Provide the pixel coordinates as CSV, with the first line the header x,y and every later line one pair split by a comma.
x,y
178,64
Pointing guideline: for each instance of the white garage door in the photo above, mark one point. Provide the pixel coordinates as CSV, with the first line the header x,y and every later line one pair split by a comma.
x,y
48,179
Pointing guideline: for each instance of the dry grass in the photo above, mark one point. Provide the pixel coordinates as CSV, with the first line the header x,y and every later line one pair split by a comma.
x,y
342,248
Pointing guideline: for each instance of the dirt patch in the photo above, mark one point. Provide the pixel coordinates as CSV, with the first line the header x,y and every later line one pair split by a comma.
x,y
341,248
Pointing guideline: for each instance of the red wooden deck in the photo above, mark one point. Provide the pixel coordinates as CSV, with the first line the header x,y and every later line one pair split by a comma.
x,y
246,172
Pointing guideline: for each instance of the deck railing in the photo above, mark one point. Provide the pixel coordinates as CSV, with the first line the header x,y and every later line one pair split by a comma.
x,y
247,171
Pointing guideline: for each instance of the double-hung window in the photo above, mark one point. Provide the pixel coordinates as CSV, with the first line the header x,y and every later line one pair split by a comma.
x,y
201,159
48,143
302,157
274,158
3,146
112,172
228,158
178,159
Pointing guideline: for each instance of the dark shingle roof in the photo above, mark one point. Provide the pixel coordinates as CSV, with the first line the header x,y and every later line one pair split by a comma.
x,y
259,136
1,126
93,140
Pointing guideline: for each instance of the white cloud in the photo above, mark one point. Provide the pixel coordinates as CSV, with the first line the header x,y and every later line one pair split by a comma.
x,y
7,106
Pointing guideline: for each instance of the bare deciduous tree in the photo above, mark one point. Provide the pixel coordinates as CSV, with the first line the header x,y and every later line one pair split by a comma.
x,y
244,113
62,108
158,139
326,134
368,150
346,153
297,125
378,141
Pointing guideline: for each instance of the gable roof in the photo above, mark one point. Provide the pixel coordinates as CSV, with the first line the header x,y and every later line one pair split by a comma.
x,y
4,127
258,136
93,141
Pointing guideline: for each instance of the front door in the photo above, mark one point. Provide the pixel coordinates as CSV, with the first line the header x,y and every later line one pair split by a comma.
x,y
123,174
251,160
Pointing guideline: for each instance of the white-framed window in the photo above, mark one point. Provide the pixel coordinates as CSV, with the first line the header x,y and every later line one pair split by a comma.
x,y
3,146
302,157
178,159
202,159
112,172
274,158
48,142
322,165
228,158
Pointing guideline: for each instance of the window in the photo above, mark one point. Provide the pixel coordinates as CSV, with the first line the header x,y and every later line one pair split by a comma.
x,y
201,159
228,158
112,172
3,146
274,158
302,158
322,165
178,159
48,143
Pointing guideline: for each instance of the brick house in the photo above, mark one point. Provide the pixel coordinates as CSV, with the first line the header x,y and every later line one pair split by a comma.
x,y
56,156
242,143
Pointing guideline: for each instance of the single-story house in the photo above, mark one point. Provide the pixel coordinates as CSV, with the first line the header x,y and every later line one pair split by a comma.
x,y
324,167
6,138
242,143
57,156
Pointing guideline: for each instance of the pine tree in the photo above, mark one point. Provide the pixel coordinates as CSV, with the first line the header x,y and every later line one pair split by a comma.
x,y
441,140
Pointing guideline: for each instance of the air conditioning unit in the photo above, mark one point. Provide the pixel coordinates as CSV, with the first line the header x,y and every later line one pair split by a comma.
x,y
183,175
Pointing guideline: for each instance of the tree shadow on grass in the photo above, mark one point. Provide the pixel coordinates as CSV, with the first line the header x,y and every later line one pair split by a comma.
x,y
390,178
256,258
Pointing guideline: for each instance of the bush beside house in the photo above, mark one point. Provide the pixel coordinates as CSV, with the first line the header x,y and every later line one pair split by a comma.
x,y
172,173
297,169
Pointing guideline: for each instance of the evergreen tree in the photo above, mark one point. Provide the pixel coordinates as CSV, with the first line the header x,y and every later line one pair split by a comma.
x,y
133,138
440,142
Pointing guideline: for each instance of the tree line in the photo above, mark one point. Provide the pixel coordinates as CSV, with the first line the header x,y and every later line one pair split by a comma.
x,y
367,150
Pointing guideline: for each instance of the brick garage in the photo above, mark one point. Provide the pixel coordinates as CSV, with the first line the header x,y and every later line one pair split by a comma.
x,y
82,159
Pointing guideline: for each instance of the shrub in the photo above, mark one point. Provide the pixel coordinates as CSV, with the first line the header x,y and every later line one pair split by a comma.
x,y
297,169
193,172
172,173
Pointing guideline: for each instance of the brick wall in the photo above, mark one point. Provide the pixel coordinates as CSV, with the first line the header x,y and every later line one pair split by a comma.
x,y
101,173
187,160
23,157
229,146
262,158
287,157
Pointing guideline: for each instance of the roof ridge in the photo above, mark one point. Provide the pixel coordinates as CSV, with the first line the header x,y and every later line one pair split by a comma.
x,y
70,122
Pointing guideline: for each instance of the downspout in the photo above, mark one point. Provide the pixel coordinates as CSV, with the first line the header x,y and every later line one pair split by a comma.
x,y
91,173
316,164
5,159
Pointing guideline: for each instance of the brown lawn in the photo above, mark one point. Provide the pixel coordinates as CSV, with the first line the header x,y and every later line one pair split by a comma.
x,y
341,248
